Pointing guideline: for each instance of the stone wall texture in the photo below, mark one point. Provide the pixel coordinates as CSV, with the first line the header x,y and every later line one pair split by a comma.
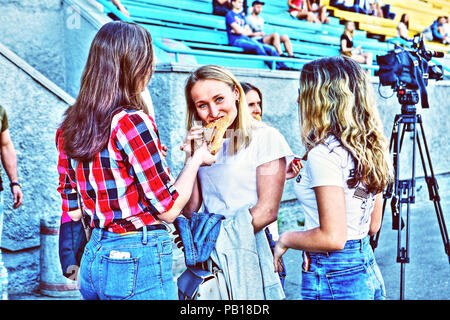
x,y
34,114
34,30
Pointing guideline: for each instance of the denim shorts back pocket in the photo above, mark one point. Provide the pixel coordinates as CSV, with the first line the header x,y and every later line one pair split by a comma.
x,y
110,268
352,283
310,285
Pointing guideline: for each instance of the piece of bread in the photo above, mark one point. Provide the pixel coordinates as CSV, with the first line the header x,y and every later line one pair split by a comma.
x,y
214,133
257,117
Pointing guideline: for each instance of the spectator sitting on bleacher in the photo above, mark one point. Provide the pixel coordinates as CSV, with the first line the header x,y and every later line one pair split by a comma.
x,y
256,23
121,8
301,9
320,11
349,5
221,7
375,7
403,27
433,32
444,30
347,48
239,35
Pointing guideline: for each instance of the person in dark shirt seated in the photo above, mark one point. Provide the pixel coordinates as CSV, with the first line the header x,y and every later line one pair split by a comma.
x,y
239,35
221,7
347,48
357,6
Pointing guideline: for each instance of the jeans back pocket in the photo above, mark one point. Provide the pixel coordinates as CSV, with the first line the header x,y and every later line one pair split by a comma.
x,y
118,277
353,283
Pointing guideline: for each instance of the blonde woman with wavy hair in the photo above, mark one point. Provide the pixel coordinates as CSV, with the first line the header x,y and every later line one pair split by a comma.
x,y
248,177
340,186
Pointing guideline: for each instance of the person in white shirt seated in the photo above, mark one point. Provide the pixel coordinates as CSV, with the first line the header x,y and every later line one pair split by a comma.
x,y
256,23
403,27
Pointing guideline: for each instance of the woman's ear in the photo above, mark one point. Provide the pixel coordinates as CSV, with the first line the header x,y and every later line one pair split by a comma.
x,y
236,93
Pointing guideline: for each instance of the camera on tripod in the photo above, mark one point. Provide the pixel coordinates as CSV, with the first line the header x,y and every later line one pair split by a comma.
x,y
407,70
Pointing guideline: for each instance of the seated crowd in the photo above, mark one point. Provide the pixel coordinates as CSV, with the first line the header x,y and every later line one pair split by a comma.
x,y
245,26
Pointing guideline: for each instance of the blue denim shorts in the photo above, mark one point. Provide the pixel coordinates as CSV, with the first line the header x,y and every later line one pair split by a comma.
x,y
135,266
348,274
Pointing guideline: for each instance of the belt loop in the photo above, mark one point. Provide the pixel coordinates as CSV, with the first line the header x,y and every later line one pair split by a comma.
x,y
100,234
144,235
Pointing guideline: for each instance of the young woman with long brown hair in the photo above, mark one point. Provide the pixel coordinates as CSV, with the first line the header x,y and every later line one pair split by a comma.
x,y
340,186
110,158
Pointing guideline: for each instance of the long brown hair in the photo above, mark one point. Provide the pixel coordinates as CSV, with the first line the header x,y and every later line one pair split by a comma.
x,y
118,68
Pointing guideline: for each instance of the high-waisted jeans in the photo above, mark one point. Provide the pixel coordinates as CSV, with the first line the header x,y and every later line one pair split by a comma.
x,y
348,274
136,266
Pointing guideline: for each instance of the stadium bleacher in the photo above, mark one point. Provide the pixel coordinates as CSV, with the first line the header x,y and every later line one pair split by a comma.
x,y
421,14
186,30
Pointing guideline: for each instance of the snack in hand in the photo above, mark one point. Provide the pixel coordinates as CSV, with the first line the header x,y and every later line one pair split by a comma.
x,y
214,133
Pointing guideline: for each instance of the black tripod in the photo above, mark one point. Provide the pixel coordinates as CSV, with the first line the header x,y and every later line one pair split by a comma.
x,y
402,191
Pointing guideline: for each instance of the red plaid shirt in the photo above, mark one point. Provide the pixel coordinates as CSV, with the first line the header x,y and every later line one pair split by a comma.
x,y
126,185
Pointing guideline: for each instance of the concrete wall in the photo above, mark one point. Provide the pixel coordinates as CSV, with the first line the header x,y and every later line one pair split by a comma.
x,y
82,20
34,114
33,30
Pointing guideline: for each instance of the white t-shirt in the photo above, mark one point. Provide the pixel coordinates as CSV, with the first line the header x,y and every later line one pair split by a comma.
x,y
256,23
230,183
332,165
402,28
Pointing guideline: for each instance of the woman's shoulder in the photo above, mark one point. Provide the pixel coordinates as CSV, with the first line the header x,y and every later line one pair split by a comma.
x,y
135,120
331,149
263,131
126,115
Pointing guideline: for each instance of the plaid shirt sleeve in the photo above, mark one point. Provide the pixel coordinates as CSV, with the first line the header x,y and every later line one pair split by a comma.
x,y
136,137
66,187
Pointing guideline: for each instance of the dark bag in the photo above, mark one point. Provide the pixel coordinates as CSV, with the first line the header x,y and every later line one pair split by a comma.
x,y
73,237
199,284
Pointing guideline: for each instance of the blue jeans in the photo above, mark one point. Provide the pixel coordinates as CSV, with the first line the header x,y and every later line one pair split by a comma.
x,y
199,235
255,46
141,270
349,274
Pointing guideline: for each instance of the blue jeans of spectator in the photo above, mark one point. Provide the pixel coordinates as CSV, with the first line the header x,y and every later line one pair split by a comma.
x,y
142,270
255,46
348,274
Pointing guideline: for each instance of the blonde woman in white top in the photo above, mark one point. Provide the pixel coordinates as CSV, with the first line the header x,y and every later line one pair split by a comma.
x,y
340,185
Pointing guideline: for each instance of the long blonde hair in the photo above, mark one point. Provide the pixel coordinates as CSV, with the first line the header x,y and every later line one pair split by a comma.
x,y
337,98
243,124
348,32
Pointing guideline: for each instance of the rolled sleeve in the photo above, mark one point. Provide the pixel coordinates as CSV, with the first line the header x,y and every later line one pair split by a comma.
x,y
66,187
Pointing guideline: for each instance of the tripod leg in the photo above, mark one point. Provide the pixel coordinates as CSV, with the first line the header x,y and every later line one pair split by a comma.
x,y
433,189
